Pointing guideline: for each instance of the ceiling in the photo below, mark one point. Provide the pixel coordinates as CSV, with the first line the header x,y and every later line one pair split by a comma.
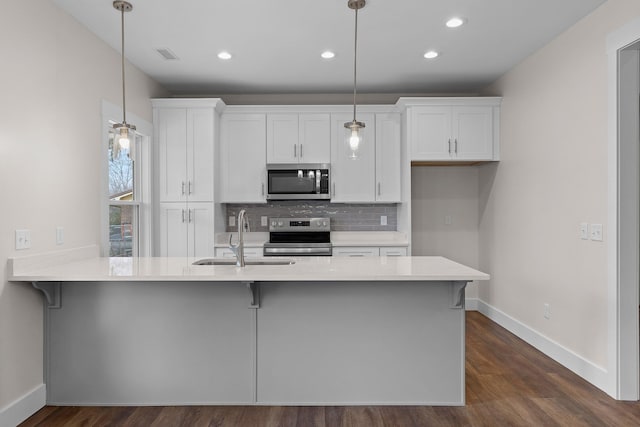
x,y
276,44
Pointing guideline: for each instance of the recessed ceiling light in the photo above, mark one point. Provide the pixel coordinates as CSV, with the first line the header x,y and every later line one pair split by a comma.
x,y
455,22
224,55
327,54
431,54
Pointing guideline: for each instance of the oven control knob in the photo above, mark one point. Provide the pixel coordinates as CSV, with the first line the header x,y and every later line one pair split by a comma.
x,y
280,224
273,223
324,223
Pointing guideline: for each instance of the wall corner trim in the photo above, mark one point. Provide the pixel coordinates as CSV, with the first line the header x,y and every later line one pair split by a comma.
x,y
23,407
582,367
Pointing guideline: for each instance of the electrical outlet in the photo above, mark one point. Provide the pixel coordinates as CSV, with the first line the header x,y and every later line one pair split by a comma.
x,y
584,231
264,221
447,220
596,232
59,235
383,220
547,311
23,239
232,221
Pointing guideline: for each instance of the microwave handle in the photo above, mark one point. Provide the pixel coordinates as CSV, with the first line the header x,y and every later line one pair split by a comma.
x,y
318,176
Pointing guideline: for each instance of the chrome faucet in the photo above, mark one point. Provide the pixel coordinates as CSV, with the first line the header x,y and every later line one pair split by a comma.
x,y
238,249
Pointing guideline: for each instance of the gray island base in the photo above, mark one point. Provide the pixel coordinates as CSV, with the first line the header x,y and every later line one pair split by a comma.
x,y
140,340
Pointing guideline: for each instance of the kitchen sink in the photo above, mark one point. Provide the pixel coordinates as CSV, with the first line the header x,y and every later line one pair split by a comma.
x,y
247,261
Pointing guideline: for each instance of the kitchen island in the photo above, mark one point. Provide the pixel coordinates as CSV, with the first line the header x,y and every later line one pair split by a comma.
x,y
321,331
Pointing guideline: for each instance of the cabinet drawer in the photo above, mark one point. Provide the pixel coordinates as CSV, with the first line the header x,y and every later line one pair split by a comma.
x,y
248,253
356,251
393,251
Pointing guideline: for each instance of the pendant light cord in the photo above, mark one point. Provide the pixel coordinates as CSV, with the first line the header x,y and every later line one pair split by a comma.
x,y
124,107
355,64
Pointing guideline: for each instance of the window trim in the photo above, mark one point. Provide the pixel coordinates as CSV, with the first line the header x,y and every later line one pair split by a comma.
x,y
112,113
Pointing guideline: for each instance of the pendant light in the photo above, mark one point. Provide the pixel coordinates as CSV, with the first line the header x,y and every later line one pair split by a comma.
x,y
354,138
125,131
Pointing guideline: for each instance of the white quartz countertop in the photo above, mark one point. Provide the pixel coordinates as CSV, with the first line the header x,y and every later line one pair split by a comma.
x,y
305,269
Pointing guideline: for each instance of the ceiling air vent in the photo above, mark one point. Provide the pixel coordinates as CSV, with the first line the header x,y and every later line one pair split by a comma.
x,y
167,54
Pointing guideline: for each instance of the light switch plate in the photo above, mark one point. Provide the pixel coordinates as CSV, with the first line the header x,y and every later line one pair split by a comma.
x,y
383,220
584,231
596,232
23,239
59,235
232,221
264,221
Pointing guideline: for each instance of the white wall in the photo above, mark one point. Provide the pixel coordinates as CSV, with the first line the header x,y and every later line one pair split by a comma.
x,y
53,77
552,176
438,192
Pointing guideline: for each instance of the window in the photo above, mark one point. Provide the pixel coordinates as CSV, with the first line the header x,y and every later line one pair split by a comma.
x,y
124,203
126,212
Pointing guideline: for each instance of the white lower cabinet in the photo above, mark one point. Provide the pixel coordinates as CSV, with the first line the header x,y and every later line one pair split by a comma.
x,y
359,251
393,251
356,251
248,252
186,229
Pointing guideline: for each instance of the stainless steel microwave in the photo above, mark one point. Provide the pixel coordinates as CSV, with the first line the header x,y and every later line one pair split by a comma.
x,y
307,181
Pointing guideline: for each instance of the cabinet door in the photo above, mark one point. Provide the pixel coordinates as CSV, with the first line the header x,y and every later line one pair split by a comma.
x,y
200,230
171,134
388,161
353,180
473,133
200,145
282,138
356,251
173,229
314,138
431,133
243,158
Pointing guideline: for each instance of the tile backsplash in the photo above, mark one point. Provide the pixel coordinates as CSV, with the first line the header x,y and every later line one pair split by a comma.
x,y
344,217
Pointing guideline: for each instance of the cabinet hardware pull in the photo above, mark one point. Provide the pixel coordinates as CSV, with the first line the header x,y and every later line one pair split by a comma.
x,y
263,188
301,156
190,215
295,150
455,144
449,145
183,188
190,187
183,215
379,189
334,189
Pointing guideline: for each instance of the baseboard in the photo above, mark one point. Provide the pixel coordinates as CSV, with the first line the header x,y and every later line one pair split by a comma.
x,y
22,408
591,372
471,304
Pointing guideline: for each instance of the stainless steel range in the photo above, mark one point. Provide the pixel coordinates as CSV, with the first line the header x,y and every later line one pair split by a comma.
x,y
299,237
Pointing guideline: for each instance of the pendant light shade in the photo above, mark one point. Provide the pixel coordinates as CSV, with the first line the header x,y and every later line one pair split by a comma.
x,y
354,137
125,131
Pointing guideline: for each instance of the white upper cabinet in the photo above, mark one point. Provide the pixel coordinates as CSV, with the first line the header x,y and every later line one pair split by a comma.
x,y
453,129
353,180
388,162
185,153
243,158
298,138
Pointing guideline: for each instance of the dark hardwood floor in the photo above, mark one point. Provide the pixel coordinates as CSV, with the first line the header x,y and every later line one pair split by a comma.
x,y
509,383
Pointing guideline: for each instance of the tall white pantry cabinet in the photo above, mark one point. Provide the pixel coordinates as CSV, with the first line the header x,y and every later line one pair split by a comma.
x,y
185,133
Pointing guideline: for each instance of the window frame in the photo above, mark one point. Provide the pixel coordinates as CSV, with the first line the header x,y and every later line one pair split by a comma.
x,y
143,239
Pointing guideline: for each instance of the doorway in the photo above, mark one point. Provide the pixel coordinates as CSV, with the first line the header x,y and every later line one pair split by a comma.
x,y
624,211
